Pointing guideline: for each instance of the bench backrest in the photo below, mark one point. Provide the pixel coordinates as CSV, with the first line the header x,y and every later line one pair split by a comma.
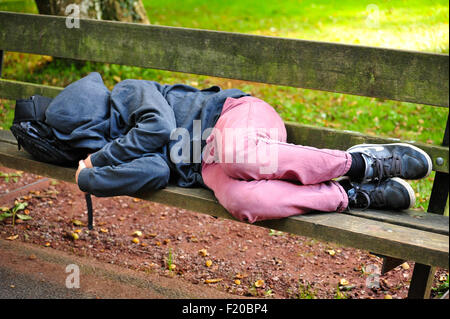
x,y
367,71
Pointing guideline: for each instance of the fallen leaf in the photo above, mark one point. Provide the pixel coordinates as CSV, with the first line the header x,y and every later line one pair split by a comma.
x,y
237,282
32,257
208,263
387,297
259,283
172,267
135,240
13,237
405,266
331,252
213,281
47,244
343,282
203,252
77,231
347,288
194,239
103,230
77,222
137,233
74,236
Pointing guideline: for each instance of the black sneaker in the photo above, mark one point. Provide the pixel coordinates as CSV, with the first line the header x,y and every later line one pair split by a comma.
x,y
393,160
390,194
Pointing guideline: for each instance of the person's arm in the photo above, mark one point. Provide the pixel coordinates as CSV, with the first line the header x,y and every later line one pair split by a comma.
x,y
148,114
145,173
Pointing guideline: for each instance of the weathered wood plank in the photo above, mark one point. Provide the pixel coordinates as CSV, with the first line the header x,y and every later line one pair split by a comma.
x,y
439,192
408,218
379,237
15,90
302,134
421,281
376,72
7,137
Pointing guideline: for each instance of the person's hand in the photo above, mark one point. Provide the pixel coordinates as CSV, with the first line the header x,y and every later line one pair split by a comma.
x,y
88,162
81,166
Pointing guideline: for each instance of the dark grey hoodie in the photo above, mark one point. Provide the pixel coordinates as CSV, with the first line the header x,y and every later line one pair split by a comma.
x,y
132,129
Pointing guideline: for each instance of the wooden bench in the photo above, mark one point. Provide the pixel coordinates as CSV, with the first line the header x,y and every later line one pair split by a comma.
x,y
374,72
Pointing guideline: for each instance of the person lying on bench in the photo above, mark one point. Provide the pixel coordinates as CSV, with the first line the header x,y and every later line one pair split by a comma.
x,y
142,135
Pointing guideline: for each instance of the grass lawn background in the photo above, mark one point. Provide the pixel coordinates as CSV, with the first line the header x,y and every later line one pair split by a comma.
x,y
410,25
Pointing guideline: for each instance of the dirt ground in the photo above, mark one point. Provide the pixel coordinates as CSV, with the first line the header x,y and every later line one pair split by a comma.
x,y
233,257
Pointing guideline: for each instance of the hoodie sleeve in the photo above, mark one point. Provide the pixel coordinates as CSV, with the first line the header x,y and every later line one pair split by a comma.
x,y
150,120
144,173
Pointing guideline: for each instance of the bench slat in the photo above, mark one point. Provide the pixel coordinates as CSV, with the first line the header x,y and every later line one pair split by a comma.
x,y
14,90
376,72
302,134
379,237
410,218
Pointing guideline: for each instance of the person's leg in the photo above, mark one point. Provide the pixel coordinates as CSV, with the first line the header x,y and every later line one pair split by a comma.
x,y
257,200
252,194
249,143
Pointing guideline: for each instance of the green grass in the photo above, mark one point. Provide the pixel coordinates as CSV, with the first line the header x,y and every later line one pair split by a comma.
x,y
419,25
411,25
403,24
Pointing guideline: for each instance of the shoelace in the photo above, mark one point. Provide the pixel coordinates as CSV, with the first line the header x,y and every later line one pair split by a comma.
x,y
375,196
386,167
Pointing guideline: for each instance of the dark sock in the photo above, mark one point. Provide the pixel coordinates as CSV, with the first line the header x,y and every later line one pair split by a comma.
x,y
358,167
346,185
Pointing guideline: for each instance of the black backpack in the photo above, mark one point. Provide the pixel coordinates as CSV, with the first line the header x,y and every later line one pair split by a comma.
x,y
37,138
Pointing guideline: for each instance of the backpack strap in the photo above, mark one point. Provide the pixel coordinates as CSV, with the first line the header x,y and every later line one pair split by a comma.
x,y
31,109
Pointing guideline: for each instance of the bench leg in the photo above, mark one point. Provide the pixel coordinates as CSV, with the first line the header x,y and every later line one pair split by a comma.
x,y
390,263
423,275
421,281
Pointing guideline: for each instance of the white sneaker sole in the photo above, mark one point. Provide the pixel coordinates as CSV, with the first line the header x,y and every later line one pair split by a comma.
x,y
412,196
430,162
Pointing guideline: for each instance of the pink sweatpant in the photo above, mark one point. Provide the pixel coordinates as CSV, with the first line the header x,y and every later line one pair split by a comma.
x,y
256,175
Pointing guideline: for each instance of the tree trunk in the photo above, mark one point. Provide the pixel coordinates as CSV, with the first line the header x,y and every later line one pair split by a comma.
x,y
118,10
